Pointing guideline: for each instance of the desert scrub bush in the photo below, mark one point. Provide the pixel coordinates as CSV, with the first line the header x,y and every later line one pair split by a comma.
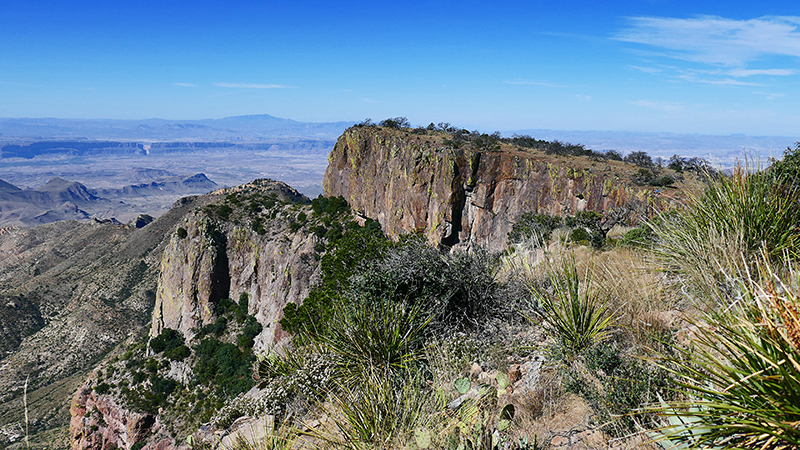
x,y
459,291
741,377
618,385
535,227
574,312
641,236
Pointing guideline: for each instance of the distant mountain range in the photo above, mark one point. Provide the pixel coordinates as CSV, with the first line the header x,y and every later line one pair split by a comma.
x,y
234,129
61,199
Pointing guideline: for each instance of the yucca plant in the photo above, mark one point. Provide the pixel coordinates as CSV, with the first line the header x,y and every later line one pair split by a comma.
x,y
576,313
276,436
741,377
373,336
379,412
716,238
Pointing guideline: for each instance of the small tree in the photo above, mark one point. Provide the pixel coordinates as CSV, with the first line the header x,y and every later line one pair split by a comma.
x,y
395,122
641,159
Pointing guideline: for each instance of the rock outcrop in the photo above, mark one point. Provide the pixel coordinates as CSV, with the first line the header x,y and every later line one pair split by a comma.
x,y
98,422
207,256
418,183
220,258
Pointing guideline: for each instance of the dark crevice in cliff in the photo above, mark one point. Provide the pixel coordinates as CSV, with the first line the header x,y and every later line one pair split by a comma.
x,y
221,281
458,200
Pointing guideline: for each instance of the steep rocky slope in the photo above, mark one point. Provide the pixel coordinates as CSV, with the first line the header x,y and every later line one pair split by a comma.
x,y
246,243
227,258
419,183
71,292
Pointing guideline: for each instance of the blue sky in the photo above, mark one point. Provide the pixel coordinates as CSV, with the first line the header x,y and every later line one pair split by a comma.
x,y
708,67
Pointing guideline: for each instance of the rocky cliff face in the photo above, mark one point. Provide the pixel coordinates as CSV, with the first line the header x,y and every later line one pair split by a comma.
x,y
98,422
240,241
227,258
70,293
417,183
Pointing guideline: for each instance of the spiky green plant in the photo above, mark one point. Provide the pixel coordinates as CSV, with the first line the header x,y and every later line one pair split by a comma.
x,y
576,313
741,377
277,436
378,413
373,336
714,240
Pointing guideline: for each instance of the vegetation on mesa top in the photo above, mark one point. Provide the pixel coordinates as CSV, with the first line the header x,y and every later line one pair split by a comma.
x,y
651,172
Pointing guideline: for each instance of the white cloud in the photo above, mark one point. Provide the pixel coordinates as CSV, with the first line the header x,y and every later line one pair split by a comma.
x,y
251,86
646,69
770,95
717,82
750,72
185,84
534,83
716,40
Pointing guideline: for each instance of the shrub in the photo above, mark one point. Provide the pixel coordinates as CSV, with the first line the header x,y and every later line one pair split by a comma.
x,y
578,235
641,159
533,227
618,386
638,237
395,122
457,290
250,330
181,232
178,353
166,341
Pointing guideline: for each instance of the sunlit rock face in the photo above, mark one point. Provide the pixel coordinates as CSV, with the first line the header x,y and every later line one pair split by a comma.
x,y
462,197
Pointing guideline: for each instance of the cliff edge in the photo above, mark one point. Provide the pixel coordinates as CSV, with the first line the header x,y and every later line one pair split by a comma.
x,y
415,183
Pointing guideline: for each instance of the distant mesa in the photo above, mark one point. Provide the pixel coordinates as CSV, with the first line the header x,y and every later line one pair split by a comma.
x,y
61,199
250,128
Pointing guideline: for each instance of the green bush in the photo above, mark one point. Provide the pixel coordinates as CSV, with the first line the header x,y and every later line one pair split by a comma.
x,y
178,353
579,235
618,386
249,331
166,341
638,237
223,365
535,227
